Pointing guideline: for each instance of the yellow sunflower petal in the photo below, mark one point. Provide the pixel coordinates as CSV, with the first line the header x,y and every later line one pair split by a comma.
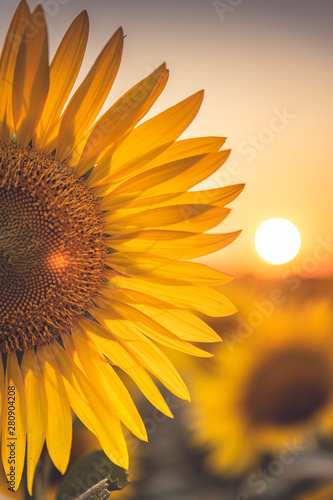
x,y
147,353
200,218
7,66
87,101
88,407
187,147
220,196
182,323
59,418
63,72
172,244
121,357
31,78
189,327
107,383
120,119
137,186
148,140
175,186
200,298
150,327
36,412
178,217
159,365
195,174
165,271
13,436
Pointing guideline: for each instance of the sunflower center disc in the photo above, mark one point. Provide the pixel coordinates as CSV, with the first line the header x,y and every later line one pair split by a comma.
x,y
289,388
51,248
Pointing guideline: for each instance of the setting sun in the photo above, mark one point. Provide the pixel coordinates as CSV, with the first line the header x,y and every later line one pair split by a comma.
x,y
277,240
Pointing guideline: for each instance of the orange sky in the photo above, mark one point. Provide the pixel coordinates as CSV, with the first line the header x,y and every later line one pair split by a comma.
x,y
267,71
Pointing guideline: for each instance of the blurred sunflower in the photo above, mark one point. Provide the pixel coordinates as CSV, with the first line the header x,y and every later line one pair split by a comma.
x,y
272,389
96,226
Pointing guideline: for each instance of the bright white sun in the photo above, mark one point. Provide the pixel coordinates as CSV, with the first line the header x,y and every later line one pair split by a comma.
x,y
277,240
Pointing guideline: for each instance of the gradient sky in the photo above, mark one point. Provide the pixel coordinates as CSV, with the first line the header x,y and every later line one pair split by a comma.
x,y
266,67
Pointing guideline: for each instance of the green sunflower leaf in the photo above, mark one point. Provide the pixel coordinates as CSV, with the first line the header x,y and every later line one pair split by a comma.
x,y
94,477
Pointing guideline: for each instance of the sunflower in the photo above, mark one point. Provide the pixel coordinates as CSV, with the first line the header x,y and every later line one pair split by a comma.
x,y
269,393
96,229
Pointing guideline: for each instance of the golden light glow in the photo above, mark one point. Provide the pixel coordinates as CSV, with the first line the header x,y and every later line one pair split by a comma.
x,y
277,240
57,260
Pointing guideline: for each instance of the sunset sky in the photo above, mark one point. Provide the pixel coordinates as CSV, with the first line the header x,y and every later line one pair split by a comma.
x,y
267,71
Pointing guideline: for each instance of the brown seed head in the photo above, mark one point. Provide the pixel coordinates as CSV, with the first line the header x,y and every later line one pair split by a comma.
x,y
51,248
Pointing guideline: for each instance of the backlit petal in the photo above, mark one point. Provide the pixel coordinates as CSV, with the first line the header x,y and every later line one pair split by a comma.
x,y
59,418
148,140
172,244
88,407
7,65
162,270
182,323
120,356
108,384
147,353
63,72
137,186
31,78
36,412
150,327
120,119
87,101
200,298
